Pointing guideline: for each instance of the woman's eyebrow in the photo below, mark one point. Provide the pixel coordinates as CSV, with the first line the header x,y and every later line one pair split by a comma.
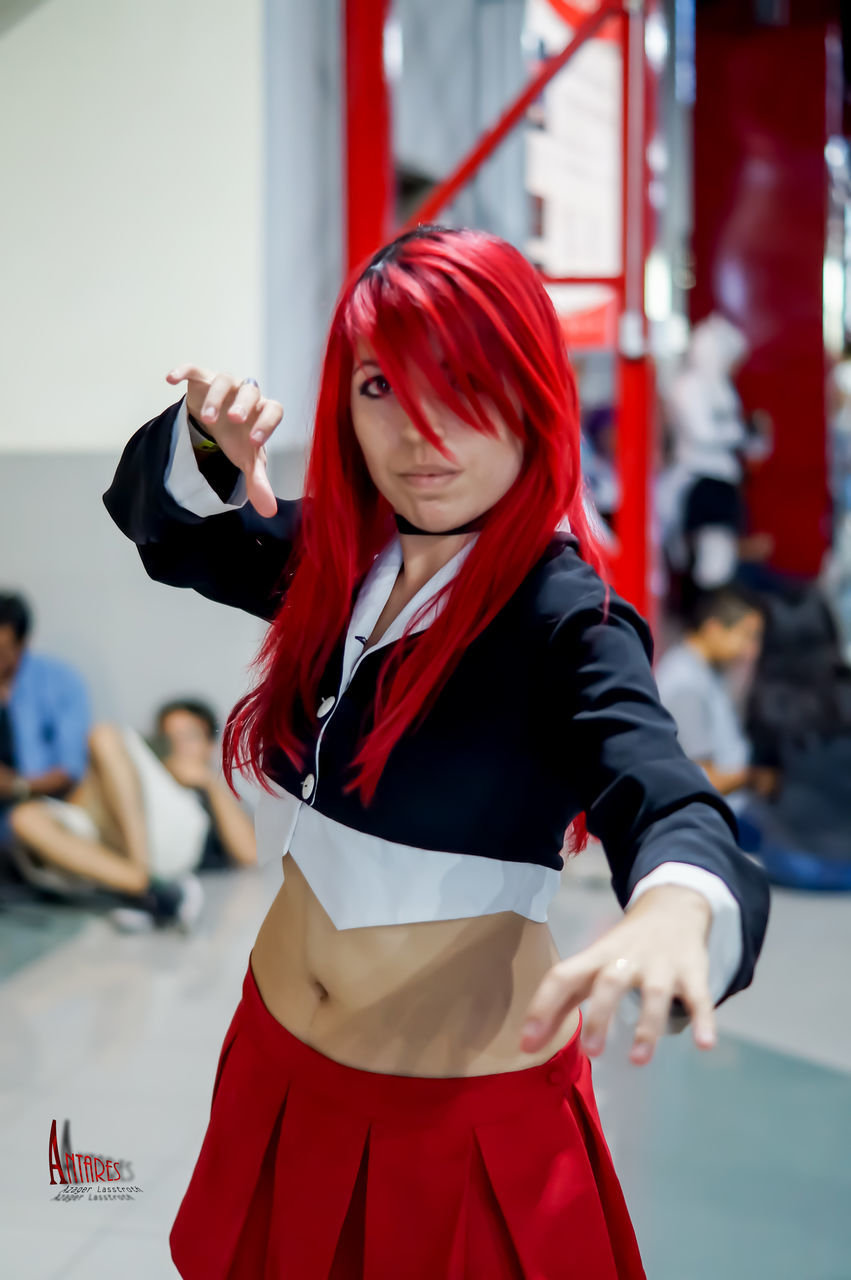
x,y
362,364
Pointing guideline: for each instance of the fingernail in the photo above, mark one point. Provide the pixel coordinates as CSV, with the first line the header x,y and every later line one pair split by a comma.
x,y
530,1029
256,437
209,412
640,1052
593,1044
706,1039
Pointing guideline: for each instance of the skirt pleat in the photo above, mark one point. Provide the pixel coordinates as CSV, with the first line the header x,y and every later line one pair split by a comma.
x,y
248,1105
621,1235
253,1255
489,1248
412,1211
349,1254
544,1184
312,1170
320,1150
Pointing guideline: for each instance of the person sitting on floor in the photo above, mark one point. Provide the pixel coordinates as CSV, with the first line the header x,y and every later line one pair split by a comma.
x,y
724,630
799,720
142,820
186,742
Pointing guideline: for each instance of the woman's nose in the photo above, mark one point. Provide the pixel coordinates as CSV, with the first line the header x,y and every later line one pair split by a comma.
x,y
434,416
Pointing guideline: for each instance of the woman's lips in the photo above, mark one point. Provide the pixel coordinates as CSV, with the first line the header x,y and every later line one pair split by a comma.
x,y
429,481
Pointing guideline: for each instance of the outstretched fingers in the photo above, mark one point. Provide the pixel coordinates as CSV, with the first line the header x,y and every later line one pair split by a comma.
x,y
611,983
657,992
695,995
562,989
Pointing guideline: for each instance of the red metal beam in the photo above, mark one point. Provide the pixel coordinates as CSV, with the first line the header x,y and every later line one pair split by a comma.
x,y
612,282
635,379
368,176
490,140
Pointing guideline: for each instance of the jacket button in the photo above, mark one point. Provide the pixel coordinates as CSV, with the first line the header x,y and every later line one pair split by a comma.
x,y
307,786
325,706
556,1076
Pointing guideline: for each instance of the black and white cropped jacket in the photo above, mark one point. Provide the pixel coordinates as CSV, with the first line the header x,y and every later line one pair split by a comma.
x,y
550,711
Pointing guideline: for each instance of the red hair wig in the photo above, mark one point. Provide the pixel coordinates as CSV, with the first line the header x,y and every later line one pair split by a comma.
x,y
462,314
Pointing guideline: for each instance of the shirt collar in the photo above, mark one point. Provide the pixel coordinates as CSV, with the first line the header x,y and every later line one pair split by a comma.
x,y
374,594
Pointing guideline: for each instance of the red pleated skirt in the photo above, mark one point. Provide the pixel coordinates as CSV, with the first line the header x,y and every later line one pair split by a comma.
x,y
311,1170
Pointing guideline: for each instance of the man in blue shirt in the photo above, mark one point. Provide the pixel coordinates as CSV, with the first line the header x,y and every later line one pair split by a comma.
x,y
44,717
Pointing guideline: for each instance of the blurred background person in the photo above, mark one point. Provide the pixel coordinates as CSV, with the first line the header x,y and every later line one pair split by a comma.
x,y
724,631
145,815
187,742
598,461
128,828
712,440
799,721
836,569
44,717
783,761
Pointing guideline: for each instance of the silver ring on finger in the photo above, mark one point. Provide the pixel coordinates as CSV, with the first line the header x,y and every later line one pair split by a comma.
x,y
250,382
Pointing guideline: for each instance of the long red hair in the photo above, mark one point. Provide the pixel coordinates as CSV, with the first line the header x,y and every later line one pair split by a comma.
x,y
464,313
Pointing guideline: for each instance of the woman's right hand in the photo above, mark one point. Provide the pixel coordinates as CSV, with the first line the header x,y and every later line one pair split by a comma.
x,y
239,419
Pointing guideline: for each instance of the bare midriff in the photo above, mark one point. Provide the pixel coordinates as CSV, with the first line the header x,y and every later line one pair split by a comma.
x,y
436,998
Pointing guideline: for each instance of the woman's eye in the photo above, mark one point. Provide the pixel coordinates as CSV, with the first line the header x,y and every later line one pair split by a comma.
x,y
450,377
473,385
375,388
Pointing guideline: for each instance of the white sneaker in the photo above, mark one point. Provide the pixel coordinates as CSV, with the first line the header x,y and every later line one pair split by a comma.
x,y
191,904
131,919
176,903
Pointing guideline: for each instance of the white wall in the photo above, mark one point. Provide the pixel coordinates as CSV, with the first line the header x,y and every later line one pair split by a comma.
x,y
131,228
171,192
304,199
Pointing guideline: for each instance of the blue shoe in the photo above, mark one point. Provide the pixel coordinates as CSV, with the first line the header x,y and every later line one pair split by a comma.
x,y
795,869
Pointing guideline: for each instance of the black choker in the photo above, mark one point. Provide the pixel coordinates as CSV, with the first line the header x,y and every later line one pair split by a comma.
x,y
405,526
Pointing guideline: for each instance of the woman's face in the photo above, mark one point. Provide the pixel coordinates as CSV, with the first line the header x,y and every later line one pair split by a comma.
x,y
430,490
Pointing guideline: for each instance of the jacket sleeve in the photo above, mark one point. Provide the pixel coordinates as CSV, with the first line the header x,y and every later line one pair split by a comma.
x,y
646,802
236,557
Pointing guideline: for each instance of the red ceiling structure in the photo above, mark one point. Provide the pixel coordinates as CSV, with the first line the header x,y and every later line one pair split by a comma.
x,y
369,222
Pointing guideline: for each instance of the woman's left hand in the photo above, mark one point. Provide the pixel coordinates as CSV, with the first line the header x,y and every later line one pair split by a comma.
x,y
660,947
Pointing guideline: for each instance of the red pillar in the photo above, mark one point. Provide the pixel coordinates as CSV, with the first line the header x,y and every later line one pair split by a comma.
x,y
635,382
368,165
764,100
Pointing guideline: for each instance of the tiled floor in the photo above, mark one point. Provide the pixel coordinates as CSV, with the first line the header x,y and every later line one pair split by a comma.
x,y
734,1163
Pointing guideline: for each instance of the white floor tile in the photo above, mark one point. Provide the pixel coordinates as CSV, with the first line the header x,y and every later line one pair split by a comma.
x,y
130,1257
44,1255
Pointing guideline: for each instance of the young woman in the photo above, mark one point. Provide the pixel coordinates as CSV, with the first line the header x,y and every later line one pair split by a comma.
x,y
445,686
